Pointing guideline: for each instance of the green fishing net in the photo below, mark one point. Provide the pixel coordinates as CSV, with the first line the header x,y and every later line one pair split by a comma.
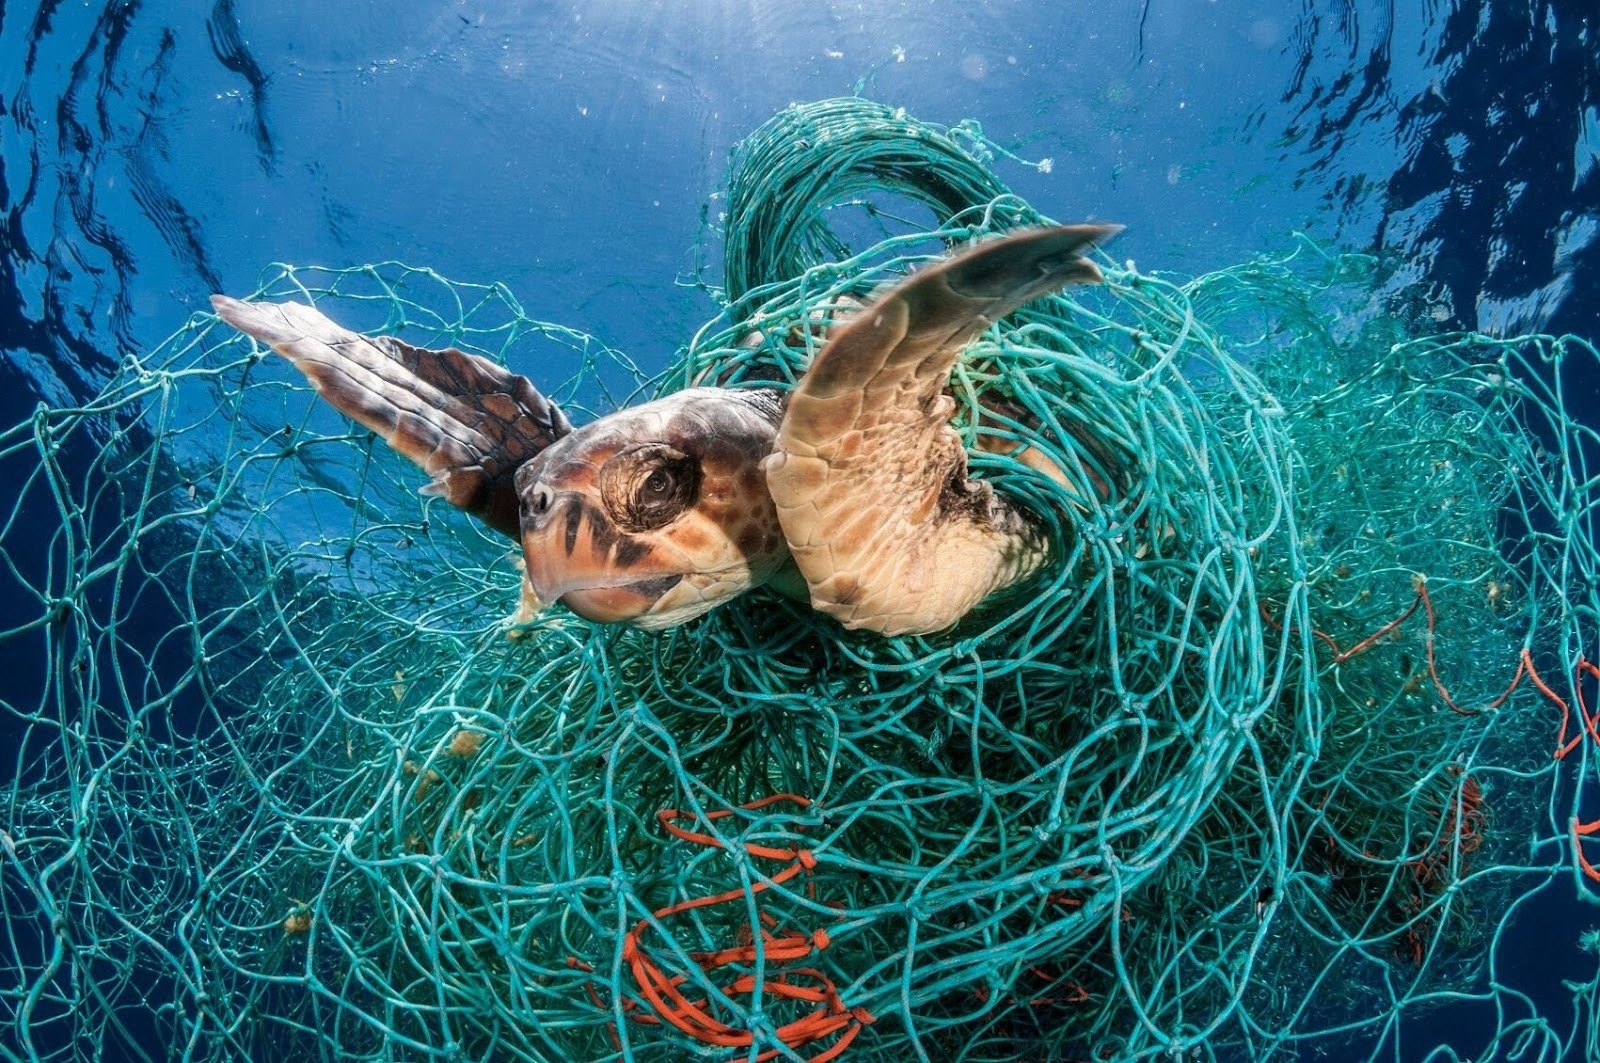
x,y
1263,760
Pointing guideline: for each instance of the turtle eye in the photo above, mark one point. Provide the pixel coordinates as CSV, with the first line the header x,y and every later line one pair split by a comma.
x,y
649,486
657,486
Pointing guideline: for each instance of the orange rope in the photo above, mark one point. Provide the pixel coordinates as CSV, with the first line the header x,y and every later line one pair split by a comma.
x,y
1420,584
693,1017
1470,825
1327,639
1583,710
1524,664
1372,639
1563,747
1580,831
1341,656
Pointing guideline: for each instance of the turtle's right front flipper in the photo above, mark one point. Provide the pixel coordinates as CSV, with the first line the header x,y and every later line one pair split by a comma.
x,y
868,479
466,421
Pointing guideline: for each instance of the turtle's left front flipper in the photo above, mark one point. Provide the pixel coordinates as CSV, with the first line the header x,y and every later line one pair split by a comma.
x,y
869,479
468,422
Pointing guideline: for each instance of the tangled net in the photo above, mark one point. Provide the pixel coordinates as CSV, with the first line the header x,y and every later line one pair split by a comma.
x,y
1253,766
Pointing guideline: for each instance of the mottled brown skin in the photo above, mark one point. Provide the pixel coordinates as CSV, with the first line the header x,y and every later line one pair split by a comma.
x,y
468,422
870,421
594,534
655,514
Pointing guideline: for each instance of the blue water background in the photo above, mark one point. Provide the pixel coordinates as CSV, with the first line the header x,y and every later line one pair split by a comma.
x,y
151,153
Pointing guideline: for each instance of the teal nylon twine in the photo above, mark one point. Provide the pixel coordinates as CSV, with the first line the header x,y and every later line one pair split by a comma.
x,y
283,768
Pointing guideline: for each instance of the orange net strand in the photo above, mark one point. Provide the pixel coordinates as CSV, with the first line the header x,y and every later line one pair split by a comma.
x,y
1579,832
1524,663
665,994
1563,747
1340,657
1419,582
1589,720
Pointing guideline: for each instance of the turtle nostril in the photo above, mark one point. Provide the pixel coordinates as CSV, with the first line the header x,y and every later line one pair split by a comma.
x,y
542,497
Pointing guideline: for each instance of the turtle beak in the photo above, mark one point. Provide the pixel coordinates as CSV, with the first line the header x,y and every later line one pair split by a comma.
x,y
630,602
574,554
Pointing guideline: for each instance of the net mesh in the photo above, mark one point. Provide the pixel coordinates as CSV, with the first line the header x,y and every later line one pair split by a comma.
x,y
1255,763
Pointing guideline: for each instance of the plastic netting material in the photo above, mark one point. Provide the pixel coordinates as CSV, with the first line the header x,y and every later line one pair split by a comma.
x,y
1240,771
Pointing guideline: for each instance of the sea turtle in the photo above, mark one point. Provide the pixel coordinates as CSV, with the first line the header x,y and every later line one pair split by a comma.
x,y
850,491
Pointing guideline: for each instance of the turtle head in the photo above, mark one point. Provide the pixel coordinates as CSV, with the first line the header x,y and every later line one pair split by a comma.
x,y
653,515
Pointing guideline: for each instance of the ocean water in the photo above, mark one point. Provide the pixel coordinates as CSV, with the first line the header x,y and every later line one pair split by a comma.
x,y
153,153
